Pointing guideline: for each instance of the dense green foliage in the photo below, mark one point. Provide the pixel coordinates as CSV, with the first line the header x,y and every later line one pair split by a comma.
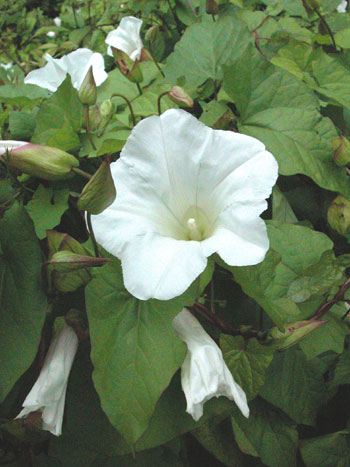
x,y
277,70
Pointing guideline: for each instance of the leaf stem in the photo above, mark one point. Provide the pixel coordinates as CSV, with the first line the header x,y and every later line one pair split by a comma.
x,y
139,88
324,22
87,114
153,58
176,19
93,238
158,101
129,105
82,173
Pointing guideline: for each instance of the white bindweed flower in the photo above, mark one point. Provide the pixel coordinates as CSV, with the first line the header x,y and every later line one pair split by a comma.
x,y
49,391
8,145
126,38
204,373
185,191
342,6
51,34
76,64
57,21
6,66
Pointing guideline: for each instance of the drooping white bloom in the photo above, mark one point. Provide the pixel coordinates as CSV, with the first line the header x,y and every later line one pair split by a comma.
x,y
126,38
185,191
51,34
76,64
342,6
57,21
204,373
49,391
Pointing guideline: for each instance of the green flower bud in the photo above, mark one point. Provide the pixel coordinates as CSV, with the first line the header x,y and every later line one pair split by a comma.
x,y
66,281
95,118
212,7
152,33
292,334
99,192
106,108
311,5
178,95
338,215
341,154
67,261
88,89
128,67
41,161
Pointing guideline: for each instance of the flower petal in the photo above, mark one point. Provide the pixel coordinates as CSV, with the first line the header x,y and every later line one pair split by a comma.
x,y
10,144
50,76
126,37
160,267
78,63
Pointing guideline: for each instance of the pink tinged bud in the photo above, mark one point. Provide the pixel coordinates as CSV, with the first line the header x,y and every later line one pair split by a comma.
x,y
39,161
292,334
49,391
88,89
99,192
67,261
341,154
338,215
178,95
212,7
95,118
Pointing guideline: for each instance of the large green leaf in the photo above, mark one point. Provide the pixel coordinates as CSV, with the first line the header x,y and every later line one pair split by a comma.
x,y
327,451
59,119
294,385
23,303
46,208
205,47
268,434
247,361
282,112
341,372
134,350
294,250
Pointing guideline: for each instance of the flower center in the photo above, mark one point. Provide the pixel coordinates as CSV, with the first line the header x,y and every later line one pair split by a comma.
x,y
193,230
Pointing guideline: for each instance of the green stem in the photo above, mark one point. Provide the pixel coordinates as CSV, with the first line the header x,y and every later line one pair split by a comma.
x,y
129,105
139,89
88,127
324,22
82,173
75,16
159,99
153,58
175,17
93,238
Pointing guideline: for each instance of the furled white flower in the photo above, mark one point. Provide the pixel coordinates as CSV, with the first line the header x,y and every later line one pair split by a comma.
x,y
49,391
57,21
8,145
76,64
204,373
185,191
51,34
342,6
126,38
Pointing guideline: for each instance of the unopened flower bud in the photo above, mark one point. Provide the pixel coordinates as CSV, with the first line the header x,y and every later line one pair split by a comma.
x,y
67,261
106,108
99,192
152,33
39,161
338,215
178,95
95,117
311,5
88,89
341,154
212,7
292,334
128,67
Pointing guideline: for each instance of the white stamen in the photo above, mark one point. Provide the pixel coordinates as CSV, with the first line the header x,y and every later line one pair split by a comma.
x,y
194,232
